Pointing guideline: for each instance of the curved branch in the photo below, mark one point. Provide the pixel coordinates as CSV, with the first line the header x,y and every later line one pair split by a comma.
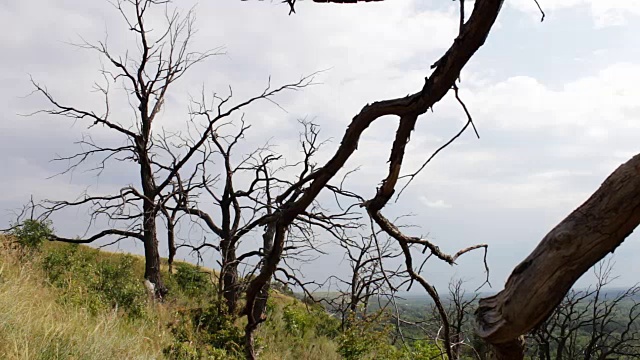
x,y
436,87
538,284
447,70
98,236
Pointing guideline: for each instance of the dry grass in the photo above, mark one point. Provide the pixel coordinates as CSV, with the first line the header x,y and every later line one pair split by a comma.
x,y
33,325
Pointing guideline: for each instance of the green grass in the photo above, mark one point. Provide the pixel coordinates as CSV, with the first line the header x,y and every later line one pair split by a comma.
x,y
34,324
75,302
297,336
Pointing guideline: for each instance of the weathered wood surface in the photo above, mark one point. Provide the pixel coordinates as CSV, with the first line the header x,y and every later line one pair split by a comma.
x,y
538,284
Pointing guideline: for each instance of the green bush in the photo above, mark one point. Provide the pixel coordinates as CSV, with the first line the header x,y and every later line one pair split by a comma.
x,y
368,339
187,351
296,320
325,324
118,286
94,283
365,339
203,333
192,281
219,330
57,263
181,351
353,345
32,233
425,350
282,288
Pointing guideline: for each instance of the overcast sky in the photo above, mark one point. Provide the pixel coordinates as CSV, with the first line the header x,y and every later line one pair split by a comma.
x,y
556,104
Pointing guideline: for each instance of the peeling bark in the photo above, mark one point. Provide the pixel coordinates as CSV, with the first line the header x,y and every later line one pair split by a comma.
x,y
539,283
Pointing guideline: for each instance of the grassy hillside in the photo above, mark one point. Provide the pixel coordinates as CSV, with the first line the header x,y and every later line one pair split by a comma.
x,y
74,302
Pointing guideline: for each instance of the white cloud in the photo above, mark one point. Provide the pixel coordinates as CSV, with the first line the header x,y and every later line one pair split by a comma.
x,y
591,109
436,204
543,148
604,12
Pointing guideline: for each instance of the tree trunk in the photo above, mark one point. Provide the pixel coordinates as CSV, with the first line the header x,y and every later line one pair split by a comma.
x,y
510,350
172,243
149,210
229,274
544,350
256,315
151,254
539,283
249,345
260,305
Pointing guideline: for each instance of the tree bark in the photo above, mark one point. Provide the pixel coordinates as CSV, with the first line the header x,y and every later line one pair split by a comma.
x,y
260,305
510,350
229,273
151,254
172,243
257,311
149,230
539,283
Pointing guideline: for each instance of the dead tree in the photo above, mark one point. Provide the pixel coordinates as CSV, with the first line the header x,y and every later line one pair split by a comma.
x,y
370,281
242,197
539,283
300,195
163,57
460,308
238,209
596,323
148,76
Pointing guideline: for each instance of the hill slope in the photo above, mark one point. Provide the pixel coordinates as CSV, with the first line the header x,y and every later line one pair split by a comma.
x,y
75,302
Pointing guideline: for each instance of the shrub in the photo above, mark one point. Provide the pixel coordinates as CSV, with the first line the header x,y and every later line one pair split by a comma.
x,y
296,320
192,281
300,320
203,333
94,283
57,263
425,350
364,338
118,286
324,323
32,233
282,288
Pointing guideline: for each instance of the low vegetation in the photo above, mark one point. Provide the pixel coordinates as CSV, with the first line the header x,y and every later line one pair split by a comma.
x,y
63,301
69,301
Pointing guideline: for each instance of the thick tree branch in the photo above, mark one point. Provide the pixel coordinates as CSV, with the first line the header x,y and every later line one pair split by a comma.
x,y
447,70
538,284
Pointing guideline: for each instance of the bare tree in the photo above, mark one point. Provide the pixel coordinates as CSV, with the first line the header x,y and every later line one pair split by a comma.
x,y
237,209
300,195
161,61
539,283
369,282
460,308
596,323
242,198
164,56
